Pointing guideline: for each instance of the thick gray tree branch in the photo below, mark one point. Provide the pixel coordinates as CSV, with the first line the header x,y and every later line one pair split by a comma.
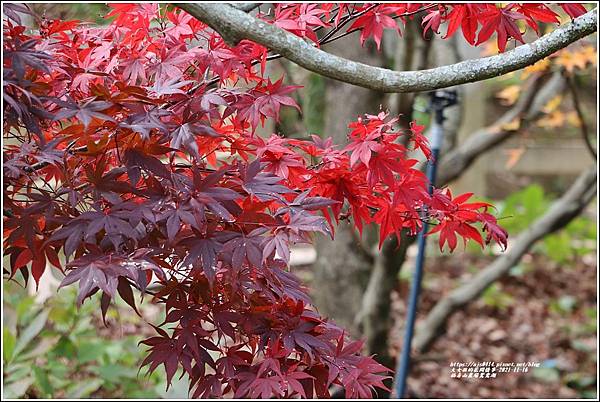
x,y
562,211
235,25
246,7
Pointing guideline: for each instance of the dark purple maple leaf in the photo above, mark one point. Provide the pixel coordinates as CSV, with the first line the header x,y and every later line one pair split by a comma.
x,y
259,387
202,253
12,10
293,379
85,112
102,272
280,243
25,54
244,248
143,120
136,160
301,337
116,228
163,350
184,137
305,203
93,273
264,186
306,222
168,87
234,360
174,217
204,194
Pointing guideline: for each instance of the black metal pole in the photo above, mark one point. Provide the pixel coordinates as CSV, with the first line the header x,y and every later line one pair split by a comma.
x,y
439,101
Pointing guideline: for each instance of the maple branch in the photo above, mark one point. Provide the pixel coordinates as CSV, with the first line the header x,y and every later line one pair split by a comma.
x,y
246,7
583,125
562,211
235,25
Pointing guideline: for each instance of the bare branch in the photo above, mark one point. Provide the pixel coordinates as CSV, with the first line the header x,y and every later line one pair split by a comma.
x,y
583,125
525,110
235,25
558,216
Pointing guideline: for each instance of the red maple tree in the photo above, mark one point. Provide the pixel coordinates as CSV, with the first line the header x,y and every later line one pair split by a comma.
x,y
131,151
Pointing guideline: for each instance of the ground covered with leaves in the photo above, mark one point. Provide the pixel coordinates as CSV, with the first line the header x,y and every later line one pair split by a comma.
x,y
542,312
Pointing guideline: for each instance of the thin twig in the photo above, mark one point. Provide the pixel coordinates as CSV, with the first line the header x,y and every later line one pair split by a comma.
x,y
582,124
327,40
347,18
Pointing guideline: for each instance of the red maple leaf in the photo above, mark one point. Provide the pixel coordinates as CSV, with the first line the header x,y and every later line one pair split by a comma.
x,y
503,22
574,10
373,22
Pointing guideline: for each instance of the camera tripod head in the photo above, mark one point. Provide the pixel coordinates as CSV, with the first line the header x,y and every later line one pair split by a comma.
x,y
441,99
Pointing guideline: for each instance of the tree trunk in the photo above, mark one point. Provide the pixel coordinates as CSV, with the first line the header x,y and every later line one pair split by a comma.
x,y
343,265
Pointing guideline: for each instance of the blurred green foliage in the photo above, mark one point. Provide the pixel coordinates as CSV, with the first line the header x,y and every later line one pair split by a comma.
x,y
524,207
88,12
314,104
421,112
497,298
521,209
54,350
564,305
